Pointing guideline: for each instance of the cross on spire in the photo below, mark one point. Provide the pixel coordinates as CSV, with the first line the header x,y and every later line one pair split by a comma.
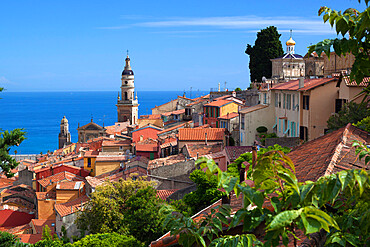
x,y
290,34
127,52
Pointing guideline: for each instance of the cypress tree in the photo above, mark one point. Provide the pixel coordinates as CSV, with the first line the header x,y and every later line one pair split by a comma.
x,y
267,46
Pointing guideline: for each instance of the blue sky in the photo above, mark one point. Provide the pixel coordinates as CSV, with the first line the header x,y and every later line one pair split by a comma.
x,y
173,45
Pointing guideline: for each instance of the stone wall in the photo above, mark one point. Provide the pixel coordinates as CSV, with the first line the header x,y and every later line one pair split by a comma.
x,y
283,141
25,177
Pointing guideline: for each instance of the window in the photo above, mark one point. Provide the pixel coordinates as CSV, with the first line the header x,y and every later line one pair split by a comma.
x,y
293,102
265,98
125,95
288,101
216,124
303,133
284,98
276,100
339,103
242,122
292,127
306,102
279,100
88,162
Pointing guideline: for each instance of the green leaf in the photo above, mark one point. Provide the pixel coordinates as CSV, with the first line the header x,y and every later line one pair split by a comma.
x,y
283,219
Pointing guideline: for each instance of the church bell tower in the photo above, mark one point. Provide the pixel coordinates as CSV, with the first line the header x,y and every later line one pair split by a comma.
x,y
64,136
127,103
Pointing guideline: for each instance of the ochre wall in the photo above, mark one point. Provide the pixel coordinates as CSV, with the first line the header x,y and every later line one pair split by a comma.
x,y
104,167
46,209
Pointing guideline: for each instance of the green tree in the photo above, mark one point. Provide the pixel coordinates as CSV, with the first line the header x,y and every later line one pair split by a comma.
x,y
8,140
107,240
350,113
128,207
353,26
205,194
267,46
7,239
237,89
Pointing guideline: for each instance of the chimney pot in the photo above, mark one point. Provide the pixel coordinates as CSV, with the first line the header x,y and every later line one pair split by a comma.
x,y
301,82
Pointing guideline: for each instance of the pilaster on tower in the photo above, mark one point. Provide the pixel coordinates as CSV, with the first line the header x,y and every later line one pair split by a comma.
x,y
127,104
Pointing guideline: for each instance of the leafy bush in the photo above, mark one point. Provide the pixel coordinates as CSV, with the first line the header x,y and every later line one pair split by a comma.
x,y
261,129
108,240
364,124
263,137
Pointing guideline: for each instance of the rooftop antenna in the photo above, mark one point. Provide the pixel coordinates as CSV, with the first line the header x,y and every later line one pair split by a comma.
x,y
225,85
127,53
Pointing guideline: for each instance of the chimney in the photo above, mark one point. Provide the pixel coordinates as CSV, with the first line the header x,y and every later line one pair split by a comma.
x,y
301,82
206,137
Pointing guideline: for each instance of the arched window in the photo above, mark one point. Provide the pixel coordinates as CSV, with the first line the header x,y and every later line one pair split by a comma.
x,y
125,95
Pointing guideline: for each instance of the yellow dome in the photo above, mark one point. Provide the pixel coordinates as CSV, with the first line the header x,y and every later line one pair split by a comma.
x,y
64,120
290,42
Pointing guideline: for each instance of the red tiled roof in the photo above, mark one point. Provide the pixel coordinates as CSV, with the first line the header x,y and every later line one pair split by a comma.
x,y
233,152
91,154
219,103
328,154
252,108
117,158
70,185
196,102
45,195
163,194
68,208
308,84
200,150
116,143
93,181
30,238
365,82
172,128
58,177
16,230
5,182
169,143
170,160
213,134
40,224
229,116
181,111
10,218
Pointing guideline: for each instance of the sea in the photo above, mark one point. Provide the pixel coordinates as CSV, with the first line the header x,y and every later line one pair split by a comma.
x,y
40,113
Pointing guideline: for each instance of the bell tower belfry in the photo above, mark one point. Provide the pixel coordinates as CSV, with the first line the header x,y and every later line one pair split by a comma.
x,y
127,103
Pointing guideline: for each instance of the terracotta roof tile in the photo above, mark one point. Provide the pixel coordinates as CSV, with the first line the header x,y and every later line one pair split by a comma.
x,y
308,84
163,194
365,82
146,147
219,103
118,158
153,116
71,207
10,218
252,108
213,134
233,152
30,238
328,154
116,143
93,181
59,177
200,150
172,128
40,224
170,160
229,116
70,185
177,112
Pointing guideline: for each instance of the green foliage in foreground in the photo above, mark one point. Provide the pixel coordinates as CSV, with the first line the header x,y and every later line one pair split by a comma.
x,y
283,205
233,170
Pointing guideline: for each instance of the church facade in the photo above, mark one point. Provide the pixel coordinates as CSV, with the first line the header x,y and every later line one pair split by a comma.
x,y
127,102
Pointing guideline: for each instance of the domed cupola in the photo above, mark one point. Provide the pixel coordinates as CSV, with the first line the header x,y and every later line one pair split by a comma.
x,y
127,70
